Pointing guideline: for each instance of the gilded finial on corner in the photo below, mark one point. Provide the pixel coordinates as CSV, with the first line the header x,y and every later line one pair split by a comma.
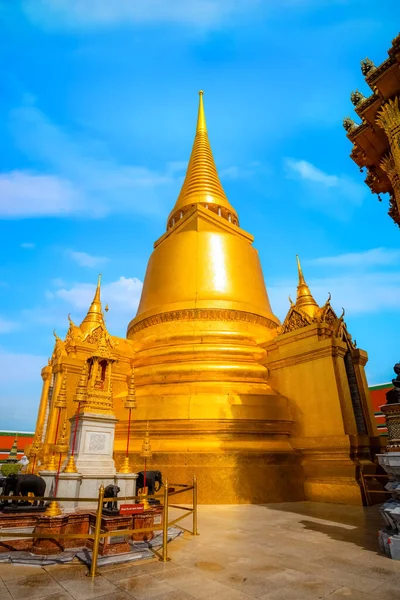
x,y
201,118
291,301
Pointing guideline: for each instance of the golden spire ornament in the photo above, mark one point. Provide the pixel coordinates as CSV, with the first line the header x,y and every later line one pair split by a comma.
x,y
146,453
130,403
61,400
94,316
305,299
80,393
62,445
202,184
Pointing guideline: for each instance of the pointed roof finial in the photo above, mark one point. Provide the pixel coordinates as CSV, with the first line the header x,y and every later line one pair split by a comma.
x,y
95,313
305,299
201,117
202,184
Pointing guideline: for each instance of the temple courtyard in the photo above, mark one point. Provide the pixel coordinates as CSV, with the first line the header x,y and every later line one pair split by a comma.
x,y
296,551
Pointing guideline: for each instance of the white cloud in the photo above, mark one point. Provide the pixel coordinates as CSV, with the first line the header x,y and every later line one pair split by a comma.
x,y
103,13
309,172
7,326
28,245
368,258
87,260
336,195
79,177
24,194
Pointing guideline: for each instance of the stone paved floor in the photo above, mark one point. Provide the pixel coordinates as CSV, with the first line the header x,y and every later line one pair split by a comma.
x,y
299,551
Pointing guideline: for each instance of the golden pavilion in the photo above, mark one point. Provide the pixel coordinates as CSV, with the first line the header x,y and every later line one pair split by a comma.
x,y
260,411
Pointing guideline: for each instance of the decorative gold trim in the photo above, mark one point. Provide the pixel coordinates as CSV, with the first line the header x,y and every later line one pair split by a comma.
x,y
202,314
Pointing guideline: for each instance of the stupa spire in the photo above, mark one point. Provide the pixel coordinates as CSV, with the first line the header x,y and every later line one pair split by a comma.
x,y
305,299
202,184
95,313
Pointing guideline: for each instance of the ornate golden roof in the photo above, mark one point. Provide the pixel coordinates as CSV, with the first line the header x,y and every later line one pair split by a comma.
x,y
95,313
202,184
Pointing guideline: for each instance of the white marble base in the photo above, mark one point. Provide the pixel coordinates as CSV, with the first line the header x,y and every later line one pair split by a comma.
x,y
69,486
94,445
127,483
90,489
50,479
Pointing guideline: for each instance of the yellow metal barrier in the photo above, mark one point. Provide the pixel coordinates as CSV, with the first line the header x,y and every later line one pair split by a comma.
x,y
97,535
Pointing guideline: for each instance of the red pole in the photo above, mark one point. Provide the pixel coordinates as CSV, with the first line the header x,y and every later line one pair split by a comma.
x,y
58,425
129,432
57,477
76,427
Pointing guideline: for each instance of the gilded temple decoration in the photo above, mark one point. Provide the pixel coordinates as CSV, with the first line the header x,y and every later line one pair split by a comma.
x,y
305,311
59,348
202,184
367,66
130,400
62,445
378,148
61,400
99,397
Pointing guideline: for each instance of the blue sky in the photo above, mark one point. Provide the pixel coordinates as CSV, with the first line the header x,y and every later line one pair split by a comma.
x,y
98,102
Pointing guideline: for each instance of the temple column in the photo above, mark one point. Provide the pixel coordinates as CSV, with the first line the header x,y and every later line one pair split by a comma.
x,y
360,359
53,414
46,376
389,120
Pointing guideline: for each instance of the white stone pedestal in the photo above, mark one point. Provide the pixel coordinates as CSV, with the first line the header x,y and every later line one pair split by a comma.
x,y
127,483
69,487
50,479
90,488
94,446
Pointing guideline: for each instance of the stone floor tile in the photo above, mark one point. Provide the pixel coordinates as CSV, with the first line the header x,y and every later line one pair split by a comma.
x,y
287,594
58,596
118,595
349,580
5,594
230,595
67,572
351,594
85,588
195,584
9,571
144,587
248,583
116,575
158,566
37,585
338,562
171,574
384,574
174,595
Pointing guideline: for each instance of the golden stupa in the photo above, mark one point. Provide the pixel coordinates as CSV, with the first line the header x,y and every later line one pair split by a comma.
x,y
259,411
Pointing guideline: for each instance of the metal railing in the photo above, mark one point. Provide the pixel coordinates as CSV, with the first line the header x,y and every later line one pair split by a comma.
x,y
97,534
